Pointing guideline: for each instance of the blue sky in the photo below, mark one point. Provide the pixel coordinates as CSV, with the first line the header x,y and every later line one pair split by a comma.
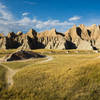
x,y
16,15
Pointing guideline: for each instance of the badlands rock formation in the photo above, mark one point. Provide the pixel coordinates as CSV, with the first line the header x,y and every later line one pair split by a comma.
x,y
77,37
90,35
52,40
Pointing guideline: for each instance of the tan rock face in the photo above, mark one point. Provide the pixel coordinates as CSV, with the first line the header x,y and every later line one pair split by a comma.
x,y
24,43
32,33
19,33
97,43
19,40
3,43
91,34
28,40
84,33
11,35
84,45
1,35
47,33
76,33
72,35
77,37
51,39
94,31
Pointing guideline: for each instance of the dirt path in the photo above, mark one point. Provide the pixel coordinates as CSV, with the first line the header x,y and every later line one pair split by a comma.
x,y
10,72
9,75
49,58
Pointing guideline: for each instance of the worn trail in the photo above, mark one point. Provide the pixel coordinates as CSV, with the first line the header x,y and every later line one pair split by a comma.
x,y
10,72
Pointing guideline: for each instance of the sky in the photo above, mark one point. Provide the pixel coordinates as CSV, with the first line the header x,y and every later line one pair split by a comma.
x,y
22,15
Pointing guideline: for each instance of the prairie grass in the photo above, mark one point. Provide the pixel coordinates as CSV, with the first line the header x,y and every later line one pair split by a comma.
x,y
2,78
73,76
55,51
22,63
4,52
67,77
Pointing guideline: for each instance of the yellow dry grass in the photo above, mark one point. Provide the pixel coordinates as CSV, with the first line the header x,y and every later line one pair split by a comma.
x,y
66,77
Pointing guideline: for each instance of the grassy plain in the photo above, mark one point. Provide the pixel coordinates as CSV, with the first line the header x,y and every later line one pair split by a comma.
x,y
2,78
73,76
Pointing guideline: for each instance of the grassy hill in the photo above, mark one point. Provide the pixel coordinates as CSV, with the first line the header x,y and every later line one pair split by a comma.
x,y
72,76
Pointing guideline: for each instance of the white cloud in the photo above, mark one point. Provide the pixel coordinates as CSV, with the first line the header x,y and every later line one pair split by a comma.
x,y
6,19
24,21
4,14
8,23
74,18
25,14
2,6
51,23
27,23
